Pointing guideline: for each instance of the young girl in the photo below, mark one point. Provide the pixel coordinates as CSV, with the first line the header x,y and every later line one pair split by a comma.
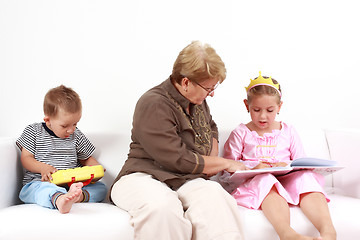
x,y
263,143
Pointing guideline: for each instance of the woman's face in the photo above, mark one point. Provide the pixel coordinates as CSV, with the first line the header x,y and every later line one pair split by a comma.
x,y
197,92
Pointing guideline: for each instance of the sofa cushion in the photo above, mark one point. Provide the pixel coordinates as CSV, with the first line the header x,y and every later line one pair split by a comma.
x,y
98,220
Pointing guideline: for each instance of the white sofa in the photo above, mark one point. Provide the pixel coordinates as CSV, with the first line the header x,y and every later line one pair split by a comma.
x,y
106,221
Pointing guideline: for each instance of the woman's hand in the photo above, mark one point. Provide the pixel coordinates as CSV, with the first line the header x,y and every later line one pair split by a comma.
x,y
46,171
214,164
235,166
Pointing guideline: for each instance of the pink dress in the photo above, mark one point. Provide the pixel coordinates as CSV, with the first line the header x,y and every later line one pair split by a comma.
x,y
279,146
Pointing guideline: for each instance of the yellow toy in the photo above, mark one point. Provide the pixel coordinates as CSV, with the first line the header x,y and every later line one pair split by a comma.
x,y
85,174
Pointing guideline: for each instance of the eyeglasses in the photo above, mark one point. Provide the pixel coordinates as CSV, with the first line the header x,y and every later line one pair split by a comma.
x,y
209,90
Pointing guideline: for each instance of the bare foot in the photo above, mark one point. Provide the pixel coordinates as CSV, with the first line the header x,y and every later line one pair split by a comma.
x,y
328,235
65,202
292,235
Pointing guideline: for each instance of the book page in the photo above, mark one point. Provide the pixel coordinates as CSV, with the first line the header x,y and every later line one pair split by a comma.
x,y
325,170
312,162
240,176
321,166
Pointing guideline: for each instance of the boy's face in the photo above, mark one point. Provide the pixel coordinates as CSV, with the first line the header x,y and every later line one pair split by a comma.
x,y
63,124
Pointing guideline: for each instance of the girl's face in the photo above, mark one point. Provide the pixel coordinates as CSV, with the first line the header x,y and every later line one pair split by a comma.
x,y
64,123
263,110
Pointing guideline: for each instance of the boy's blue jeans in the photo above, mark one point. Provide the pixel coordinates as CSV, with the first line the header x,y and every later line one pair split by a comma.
x,y
41,192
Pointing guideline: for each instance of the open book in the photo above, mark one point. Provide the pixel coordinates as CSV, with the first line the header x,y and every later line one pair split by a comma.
x,y
318,165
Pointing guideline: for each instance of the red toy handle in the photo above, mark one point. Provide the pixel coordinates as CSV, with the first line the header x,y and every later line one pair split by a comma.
x,y
87,182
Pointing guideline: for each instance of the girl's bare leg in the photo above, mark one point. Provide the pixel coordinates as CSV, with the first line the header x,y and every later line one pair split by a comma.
x,y
65,201
315,207
277,211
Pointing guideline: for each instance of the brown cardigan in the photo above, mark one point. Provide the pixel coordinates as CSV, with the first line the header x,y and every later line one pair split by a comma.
x,y
167,143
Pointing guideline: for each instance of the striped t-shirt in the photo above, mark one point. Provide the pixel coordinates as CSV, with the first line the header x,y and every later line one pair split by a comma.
x,y
50,149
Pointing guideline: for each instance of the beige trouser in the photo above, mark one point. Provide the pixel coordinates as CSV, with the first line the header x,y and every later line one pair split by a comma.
x,y
200,209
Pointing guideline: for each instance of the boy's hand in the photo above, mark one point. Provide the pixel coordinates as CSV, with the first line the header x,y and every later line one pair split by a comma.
x,y
46,171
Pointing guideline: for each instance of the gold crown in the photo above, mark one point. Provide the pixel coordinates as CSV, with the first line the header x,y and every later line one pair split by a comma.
x,y
262,81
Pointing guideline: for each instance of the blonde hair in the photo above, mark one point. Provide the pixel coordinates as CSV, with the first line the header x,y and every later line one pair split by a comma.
x,y
198,62
264,90
61,97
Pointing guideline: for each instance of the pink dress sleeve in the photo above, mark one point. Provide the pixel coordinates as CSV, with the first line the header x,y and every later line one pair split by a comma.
x,y
296,146
234,145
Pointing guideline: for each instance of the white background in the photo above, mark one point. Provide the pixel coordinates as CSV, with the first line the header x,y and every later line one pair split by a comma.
x,y
111,52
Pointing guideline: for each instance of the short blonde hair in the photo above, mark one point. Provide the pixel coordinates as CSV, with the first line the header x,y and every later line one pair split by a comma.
x,y
61,97
198,62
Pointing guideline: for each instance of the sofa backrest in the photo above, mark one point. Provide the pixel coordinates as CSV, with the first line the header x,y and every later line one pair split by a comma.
x,y
343,145
10,173
111,151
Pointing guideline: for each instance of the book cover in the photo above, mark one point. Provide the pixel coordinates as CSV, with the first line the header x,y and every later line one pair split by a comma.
x,y
322,166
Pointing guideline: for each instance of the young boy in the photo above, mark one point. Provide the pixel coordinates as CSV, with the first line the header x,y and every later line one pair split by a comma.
x,y
57,144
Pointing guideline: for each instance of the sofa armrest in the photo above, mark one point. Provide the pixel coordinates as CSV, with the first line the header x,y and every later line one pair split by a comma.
x,y
343,146
10,172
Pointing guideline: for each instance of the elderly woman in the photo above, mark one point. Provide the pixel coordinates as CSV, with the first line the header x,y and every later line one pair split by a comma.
x,y
164,182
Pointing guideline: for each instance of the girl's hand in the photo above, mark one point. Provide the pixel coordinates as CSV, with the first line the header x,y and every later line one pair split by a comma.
x,y
268,165
279,164
263,165
46,171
